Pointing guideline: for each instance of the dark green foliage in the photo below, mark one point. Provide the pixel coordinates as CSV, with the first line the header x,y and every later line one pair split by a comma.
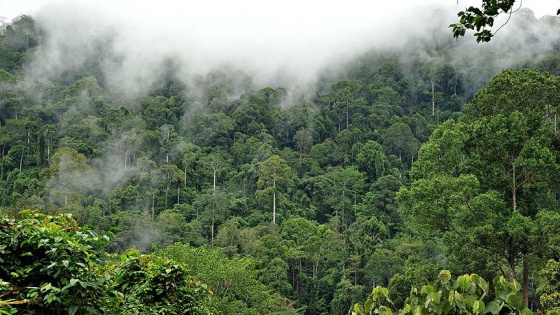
x,y
480,19
148,284
50,265
487,181
211,159
18,37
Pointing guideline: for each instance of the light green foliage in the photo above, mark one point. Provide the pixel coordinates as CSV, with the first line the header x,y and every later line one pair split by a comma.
x,y
6,77
233,281
467,294
16,41
399,140
274,171
214,130
337,189
550,288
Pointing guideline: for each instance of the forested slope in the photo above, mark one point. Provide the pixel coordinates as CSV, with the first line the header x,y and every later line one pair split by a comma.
x,y
301,182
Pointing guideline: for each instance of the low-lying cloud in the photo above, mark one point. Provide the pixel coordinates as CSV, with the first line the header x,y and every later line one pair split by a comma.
x,y
279,43
291,40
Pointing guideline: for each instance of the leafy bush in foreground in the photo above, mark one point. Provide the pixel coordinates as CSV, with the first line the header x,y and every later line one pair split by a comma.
x,y
468,294
50,265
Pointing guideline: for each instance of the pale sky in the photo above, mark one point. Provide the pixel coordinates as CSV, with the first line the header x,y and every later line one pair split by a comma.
x,y
294,36
244,8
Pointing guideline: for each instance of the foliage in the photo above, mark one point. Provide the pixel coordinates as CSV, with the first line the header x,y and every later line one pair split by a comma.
x,y
474,18
486,182
202,160
481,19
467,294
148,284
233,281
550,288
49,265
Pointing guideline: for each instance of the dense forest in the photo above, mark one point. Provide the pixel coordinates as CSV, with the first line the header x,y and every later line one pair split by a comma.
x,y
393,166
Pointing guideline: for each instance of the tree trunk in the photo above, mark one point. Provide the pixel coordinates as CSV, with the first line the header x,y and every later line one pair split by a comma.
x,y
433,83
153,204
316,266
514,190
212,232
48,152
2,165
511,260
126,158
185,177
21,161
213,206
167,187
526,279
347,113
273,201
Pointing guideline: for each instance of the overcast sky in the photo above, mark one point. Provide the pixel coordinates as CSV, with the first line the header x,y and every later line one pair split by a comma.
x,y
244,8
275,35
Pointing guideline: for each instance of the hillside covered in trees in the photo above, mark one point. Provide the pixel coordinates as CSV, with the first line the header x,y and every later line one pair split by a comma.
x,y
388,168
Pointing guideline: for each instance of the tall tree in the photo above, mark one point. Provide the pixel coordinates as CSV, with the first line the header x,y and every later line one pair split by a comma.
x,y
488,180
275,176
71,178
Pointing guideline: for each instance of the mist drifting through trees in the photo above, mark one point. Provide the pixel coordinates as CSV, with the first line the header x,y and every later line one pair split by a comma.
x,y
274,141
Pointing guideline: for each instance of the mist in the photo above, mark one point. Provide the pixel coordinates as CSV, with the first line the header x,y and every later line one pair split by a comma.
x,y
276,43
288,44
130,46
283,43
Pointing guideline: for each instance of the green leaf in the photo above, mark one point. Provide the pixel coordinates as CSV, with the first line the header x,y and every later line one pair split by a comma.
x,y
459,300
464,283
46,287
368,305
478,306
516,285
515,300
358,309
482,284
470,300
383,310
493,307
427,289
445,276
